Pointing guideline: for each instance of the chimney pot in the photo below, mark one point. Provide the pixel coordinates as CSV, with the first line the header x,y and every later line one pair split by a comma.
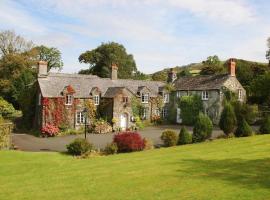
x,y
114,72
231,67
42,68
172,76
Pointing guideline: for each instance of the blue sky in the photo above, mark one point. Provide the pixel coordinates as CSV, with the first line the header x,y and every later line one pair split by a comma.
x,y
158,33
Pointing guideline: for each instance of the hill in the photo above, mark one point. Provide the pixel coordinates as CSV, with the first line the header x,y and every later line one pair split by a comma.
x,y
195,68
223,169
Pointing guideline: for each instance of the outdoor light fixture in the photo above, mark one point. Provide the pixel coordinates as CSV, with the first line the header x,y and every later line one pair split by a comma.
x,y
85,111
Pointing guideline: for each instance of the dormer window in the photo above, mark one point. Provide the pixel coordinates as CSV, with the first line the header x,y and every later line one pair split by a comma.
x,y
145,98
96,100
68,99
240,96
205,95
166,98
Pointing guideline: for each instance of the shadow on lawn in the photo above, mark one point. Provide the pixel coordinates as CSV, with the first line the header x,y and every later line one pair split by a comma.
x,y
248,173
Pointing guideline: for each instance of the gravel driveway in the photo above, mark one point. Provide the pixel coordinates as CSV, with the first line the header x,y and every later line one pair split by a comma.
x,y
26,142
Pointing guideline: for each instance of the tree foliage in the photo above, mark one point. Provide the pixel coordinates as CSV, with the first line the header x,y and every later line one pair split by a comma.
x,y
6,109
228,120
11,43
212,65
260,89
49,54
160,76
265,127
268,51
101,58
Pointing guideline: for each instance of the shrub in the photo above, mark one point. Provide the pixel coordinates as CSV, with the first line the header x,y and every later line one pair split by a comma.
x,y
129,141
148,144
49,130
101,126
138,122
169,138
6,109
202,129
228,120
79,146
184,137
111,148
243,129
248,112
265,127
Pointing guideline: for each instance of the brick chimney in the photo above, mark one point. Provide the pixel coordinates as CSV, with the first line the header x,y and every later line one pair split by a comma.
x,y
42,68
114,72
172,76
231,67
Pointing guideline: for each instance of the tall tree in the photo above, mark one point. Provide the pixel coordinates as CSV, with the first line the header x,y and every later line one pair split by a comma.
x,y
268,51
212,65
101,58
12,43
50,54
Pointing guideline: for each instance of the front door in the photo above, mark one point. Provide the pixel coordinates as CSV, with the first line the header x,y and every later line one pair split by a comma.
x,y
124,121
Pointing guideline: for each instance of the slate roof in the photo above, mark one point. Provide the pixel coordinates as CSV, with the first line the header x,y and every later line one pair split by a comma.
x,y
53,84
203,82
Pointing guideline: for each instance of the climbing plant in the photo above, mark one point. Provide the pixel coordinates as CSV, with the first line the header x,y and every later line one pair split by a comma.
x,y
190,107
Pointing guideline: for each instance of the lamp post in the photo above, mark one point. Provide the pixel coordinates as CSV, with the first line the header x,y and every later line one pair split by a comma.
x,y
85,111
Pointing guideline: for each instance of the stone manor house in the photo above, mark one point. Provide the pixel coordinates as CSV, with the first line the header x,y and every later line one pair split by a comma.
x,y
69,92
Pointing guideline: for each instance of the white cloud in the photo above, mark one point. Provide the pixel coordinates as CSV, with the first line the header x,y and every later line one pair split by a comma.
x,y
12,16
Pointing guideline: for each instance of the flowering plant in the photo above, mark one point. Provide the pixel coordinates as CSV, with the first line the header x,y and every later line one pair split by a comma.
x,y
49,130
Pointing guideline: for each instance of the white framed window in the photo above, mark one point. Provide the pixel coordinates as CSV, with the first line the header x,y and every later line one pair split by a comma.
x,y
240,95
164,112
80,118
96,100
178,94
145,98
125,99
166,98
68,99
205,95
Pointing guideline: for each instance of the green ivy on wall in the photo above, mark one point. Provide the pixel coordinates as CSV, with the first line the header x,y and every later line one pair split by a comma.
x,y
190,107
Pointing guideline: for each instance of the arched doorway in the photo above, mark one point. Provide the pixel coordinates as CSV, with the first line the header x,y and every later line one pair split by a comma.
x,y
124,121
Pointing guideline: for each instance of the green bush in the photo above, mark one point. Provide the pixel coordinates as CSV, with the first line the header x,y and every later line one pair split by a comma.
x,y
6,109
202,129
228,120
184,137
169,138
5,131
243,129
190,107
246,111
79,146
111,148
138,122
265,127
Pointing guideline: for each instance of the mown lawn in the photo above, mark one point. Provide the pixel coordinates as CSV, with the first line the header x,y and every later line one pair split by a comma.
x,y
222,169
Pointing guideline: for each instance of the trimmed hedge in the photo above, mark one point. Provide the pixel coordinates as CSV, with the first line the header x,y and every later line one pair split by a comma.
x,y
169,138
184,137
